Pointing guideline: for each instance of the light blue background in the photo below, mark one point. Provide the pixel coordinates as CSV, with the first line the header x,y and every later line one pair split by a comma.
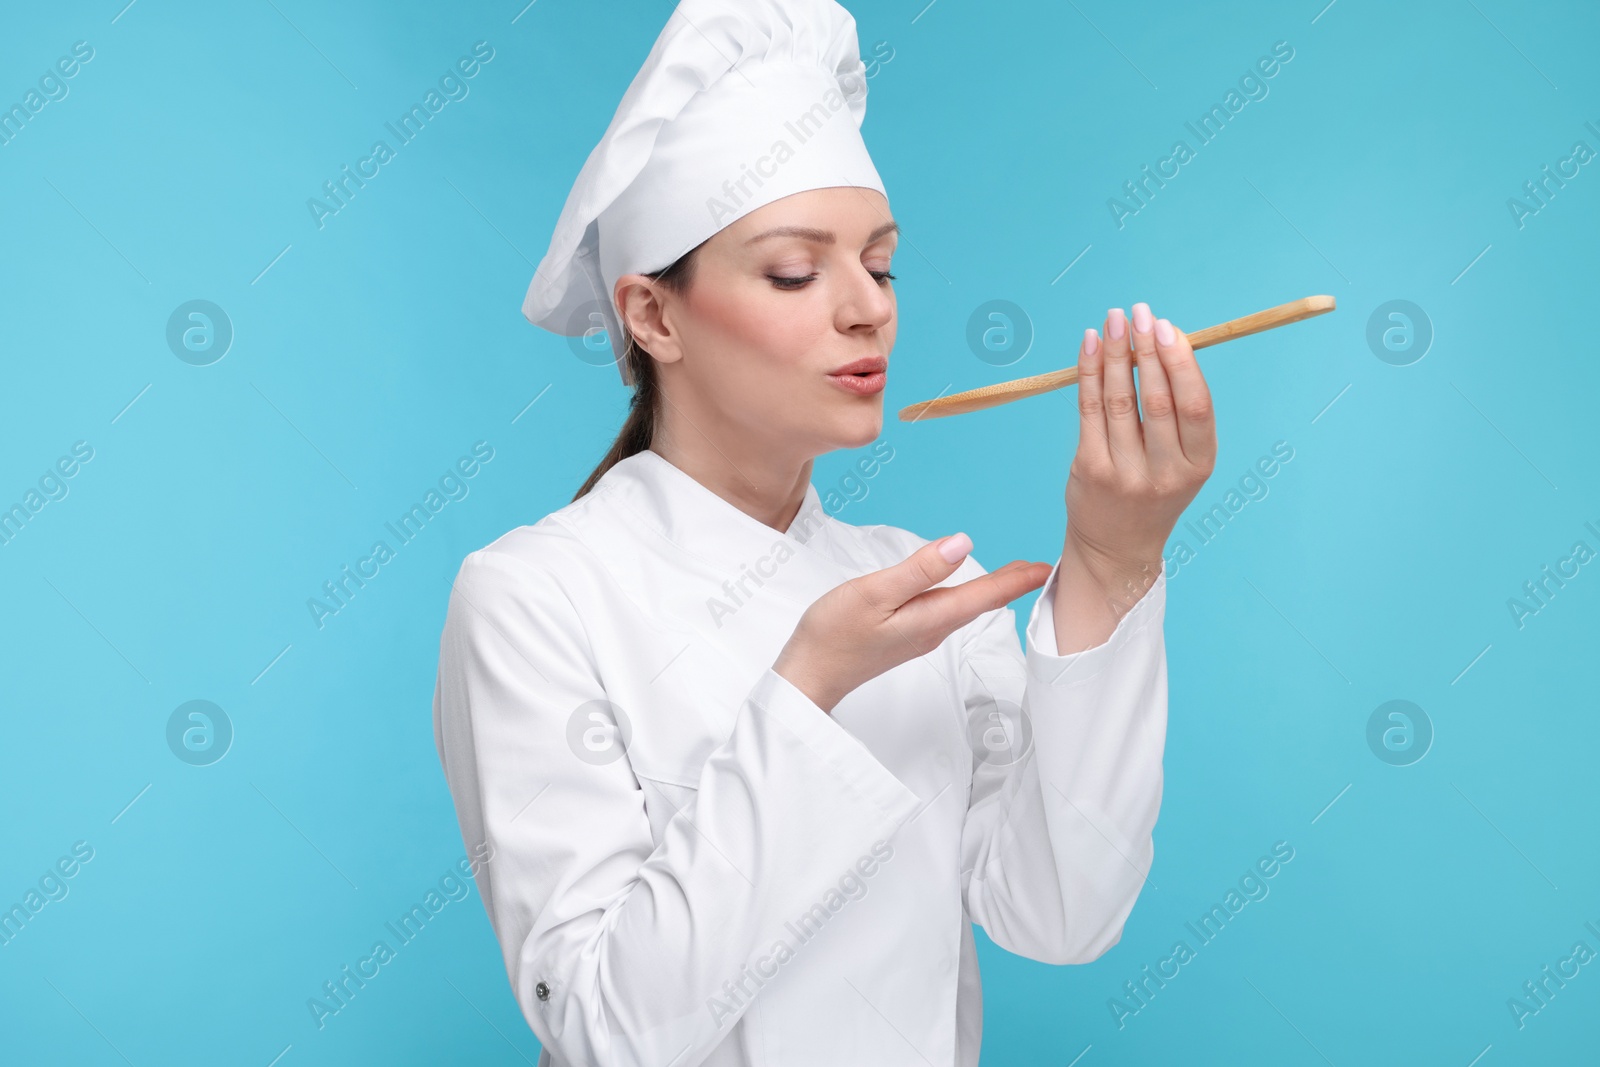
x,y
371,353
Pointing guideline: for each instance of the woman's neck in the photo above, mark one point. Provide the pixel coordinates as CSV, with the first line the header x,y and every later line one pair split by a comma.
x,y
769,489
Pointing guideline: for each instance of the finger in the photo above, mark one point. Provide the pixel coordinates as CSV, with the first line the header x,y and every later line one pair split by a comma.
x,y
891,587
946,609
1123,435
1092,447
1163,451
1191,400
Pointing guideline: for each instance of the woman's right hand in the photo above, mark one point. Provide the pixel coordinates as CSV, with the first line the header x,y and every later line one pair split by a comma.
x,y
870,624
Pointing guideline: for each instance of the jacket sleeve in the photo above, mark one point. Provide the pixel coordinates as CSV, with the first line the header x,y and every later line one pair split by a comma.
x,y
1067,780
619,951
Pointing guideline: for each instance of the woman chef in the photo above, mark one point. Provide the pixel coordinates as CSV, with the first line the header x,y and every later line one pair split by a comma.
x,y
745,775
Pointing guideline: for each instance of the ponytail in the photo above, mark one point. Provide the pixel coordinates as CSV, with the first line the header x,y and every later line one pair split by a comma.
x,y
644,407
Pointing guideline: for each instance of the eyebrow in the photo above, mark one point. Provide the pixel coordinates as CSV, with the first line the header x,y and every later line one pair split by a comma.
x,y
825,237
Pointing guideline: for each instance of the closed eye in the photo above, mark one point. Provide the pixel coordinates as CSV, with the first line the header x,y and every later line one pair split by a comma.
x,y
793,283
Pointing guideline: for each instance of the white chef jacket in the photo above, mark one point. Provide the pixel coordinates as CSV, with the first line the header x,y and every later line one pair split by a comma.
x,y
730,876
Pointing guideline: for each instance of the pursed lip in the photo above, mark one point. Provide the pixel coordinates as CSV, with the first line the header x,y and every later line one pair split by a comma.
x,y
869,365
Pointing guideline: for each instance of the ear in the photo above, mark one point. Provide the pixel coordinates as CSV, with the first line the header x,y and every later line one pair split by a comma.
x,y
642,311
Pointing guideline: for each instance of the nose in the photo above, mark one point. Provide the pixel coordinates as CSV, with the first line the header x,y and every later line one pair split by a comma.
x,y
866,304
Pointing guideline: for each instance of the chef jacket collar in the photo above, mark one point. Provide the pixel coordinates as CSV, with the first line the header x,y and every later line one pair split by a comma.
x,y
680,548
696,517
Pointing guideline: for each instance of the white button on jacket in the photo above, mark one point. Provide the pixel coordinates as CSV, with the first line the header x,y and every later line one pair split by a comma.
x,y
690,863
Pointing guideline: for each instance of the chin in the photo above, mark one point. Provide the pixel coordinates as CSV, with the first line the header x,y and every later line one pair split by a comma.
x,y
862,428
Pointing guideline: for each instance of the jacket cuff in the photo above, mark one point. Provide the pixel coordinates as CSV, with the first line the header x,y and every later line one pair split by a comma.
x,y
868,781
1051,669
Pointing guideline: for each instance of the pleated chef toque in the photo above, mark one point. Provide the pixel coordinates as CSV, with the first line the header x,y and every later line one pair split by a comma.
x,y
739,103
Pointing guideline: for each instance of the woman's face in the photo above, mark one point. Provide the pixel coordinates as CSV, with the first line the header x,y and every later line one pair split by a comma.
x,y
779,301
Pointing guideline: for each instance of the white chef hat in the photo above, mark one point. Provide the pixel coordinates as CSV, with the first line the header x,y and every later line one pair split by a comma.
x,y
739,103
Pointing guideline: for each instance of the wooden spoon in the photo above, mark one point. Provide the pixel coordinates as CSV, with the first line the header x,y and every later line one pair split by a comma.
x,y
1004,392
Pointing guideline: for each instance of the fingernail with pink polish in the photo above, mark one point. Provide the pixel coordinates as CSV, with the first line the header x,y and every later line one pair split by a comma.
x,y
1164,334
1091,342
1141,318
1115,324
954,547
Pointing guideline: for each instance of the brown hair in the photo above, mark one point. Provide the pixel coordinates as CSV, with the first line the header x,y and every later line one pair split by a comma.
x,y
639,429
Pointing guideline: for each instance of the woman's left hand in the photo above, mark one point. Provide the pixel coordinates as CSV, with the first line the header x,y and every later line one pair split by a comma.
x,y
1131,478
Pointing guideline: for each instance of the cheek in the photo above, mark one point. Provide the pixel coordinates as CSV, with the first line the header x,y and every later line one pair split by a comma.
x,y
763,329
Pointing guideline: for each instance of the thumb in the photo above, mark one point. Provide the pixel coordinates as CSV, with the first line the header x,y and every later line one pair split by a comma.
x,y
925,568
